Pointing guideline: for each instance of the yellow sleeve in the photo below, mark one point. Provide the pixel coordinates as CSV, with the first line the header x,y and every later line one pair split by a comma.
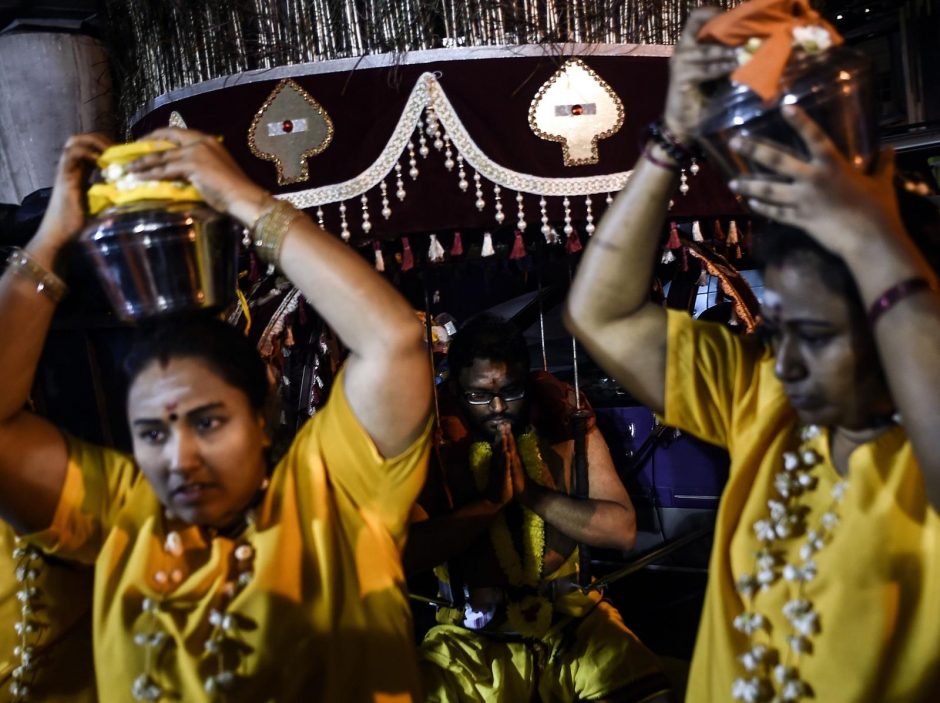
x,y
386,486
97,482
709,370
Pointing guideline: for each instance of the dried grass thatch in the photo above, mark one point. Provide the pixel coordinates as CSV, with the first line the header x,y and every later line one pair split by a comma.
x,y
162,45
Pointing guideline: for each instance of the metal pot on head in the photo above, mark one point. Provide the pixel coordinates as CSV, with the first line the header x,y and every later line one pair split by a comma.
x,y
834,87
157,258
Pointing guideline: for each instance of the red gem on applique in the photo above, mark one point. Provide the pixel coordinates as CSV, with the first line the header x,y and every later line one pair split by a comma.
x,y
287,126
577,110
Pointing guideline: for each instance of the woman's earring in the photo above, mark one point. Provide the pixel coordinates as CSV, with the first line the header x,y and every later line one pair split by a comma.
x,y
265,484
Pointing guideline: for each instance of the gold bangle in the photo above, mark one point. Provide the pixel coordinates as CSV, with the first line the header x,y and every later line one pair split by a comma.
x,y
48,283
271,227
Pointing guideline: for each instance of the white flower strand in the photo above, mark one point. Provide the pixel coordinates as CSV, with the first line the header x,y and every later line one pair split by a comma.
x,y
225,627
28,565
765,679
224,624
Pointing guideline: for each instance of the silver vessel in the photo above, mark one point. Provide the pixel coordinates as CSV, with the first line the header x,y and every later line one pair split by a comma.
x,y
834,87
158,258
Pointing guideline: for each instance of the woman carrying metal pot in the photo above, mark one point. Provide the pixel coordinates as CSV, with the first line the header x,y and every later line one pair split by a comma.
x,y
826,561
217,575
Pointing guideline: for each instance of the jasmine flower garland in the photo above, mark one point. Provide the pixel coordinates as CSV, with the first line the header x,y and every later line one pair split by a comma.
x,y
531,616
765,676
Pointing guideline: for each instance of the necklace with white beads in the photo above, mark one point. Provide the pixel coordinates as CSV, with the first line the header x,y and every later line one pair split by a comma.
x,y
220,646
767,676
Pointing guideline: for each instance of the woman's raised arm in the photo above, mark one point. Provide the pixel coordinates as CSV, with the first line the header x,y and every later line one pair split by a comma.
x,y
608,308
388,380
33,454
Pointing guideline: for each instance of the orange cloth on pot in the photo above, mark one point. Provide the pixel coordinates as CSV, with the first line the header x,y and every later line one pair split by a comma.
x,y
772,21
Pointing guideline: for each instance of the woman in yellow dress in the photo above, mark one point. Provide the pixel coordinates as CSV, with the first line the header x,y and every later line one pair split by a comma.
x,y
217,575
826,561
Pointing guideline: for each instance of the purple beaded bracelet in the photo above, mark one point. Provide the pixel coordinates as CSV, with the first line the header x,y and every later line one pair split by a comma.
x,y
895,294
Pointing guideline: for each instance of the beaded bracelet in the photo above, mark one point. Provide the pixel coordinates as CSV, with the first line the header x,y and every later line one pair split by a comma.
x,y
895,294
48,283
647,154
270,228
669,143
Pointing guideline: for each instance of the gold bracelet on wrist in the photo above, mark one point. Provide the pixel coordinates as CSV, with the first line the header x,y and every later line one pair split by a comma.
x,y
48,283
269,230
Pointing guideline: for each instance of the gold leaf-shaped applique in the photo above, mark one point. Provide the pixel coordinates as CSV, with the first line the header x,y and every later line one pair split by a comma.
x,y
288,129
576,108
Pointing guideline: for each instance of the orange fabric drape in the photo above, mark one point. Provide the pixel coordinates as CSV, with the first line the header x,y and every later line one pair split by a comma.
x,y
772,21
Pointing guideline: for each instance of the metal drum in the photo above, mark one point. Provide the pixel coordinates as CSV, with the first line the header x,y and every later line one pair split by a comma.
x,y
161,258
834,87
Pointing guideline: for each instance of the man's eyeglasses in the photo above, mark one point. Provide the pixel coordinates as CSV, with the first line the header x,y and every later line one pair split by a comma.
x,y
507,395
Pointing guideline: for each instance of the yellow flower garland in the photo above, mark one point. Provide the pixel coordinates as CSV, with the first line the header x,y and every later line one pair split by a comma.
x,y
533,614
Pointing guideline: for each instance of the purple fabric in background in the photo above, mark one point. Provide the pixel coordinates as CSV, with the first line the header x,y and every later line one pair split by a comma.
x,y
680,471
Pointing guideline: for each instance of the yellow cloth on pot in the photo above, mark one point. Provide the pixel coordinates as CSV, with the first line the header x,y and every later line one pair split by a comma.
x,y
118,189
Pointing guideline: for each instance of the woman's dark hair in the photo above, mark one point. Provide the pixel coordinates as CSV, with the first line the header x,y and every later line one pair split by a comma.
x,y
487,336
778,244
220,346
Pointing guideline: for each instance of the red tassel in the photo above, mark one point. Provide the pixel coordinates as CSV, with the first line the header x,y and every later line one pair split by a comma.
x,y
518,247
673,241
719,235
457,247
253,273
685,259
573,244
407,258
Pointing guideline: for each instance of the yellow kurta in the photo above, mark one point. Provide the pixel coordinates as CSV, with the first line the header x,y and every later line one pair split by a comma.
x,y
325,617
877,591
62,615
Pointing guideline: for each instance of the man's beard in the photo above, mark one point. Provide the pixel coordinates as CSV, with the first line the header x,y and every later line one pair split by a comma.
x,y
488,427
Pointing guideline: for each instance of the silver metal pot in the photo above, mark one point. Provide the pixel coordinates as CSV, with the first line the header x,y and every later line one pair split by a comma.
x,y
834,87
158,258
